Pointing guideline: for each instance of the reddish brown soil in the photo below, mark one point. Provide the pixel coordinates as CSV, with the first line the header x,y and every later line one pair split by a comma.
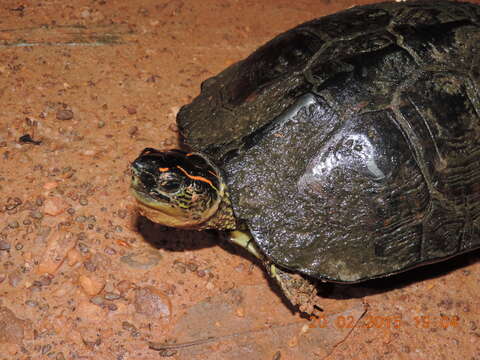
x,y
83,277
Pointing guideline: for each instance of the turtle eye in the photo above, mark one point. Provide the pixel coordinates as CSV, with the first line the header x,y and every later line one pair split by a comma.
x,y
170,186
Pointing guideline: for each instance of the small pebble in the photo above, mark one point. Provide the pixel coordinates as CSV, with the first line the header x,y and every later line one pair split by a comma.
x,y
240,312
101,124
97,300
11,331
210,286
293,342
80,219
122,213
111,296
13,224
46,349
133,131
151,302
192,266
83,201
131,110
31,303
42,233
128,326
45,280
74,257
13,203
173,127
39,201
47,186
35,287
71,211
123,286
64,114
10,207
179,266
18,246
14,278
167,353
27,222
59,356
110,251
90,266
109,288
112,307
240,268
54,206
144,259
63,224
4,245
92,286
85,13
83,248
36,214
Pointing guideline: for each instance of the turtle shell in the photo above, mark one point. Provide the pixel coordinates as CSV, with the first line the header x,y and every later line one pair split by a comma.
x,y
351,144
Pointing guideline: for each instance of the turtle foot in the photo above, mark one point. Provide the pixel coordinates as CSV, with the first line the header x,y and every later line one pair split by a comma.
x,y
298,290
301,292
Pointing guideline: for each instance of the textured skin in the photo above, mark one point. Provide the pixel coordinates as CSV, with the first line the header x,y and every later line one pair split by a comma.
x,y
351,143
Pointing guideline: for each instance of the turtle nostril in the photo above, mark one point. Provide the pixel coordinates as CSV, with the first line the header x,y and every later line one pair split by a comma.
x,y
138,166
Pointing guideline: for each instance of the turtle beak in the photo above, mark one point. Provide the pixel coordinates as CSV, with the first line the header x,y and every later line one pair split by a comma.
x,y
137,167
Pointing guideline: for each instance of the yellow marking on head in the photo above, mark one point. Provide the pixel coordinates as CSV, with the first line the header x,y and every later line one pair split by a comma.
x,y
163,169
193,177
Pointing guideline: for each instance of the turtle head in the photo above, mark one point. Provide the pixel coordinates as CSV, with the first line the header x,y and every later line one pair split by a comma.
x,y
176,188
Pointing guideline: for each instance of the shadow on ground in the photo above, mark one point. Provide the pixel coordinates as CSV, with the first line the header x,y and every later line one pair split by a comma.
x,y
176,240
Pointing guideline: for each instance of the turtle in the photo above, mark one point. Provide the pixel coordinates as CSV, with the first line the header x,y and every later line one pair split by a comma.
x,y
343,150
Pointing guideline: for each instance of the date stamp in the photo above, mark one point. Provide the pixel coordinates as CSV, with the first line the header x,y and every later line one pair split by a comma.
x,y
388,322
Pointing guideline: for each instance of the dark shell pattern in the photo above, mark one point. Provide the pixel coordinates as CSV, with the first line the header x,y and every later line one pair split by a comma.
x,y
351,143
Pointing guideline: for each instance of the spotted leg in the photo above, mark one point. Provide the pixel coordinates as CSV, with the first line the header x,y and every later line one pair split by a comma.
x,y
298,290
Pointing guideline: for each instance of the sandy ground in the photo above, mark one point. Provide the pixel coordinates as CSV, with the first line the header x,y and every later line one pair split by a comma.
x,y
83,277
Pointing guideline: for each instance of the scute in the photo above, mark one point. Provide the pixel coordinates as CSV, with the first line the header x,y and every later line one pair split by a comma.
x,y
313,198
351,144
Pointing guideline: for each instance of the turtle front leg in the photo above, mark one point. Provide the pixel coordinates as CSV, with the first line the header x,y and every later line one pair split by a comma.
x,y
244,239
296,288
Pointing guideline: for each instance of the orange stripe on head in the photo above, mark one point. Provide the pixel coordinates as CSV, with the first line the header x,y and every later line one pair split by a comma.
x,y
211,172
163,169
193,177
